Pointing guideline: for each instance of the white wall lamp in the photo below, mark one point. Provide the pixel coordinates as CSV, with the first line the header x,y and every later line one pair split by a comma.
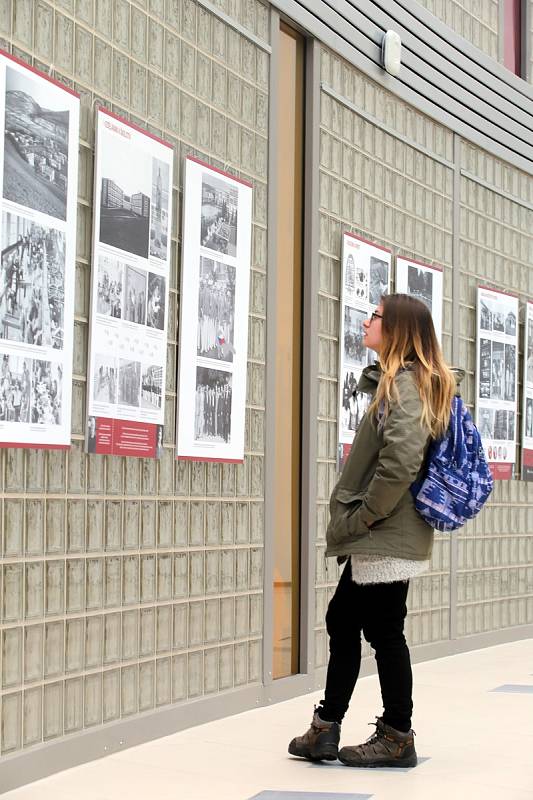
x,y
391,52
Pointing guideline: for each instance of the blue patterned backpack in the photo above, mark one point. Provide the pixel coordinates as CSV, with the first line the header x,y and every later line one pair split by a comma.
x,y
457,480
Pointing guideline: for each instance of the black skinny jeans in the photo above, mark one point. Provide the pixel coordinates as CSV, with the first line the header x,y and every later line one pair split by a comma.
x,y
379,611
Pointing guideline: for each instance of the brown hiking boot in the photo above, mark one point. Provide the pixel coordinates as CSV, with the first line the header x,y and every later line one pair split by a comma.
x,y
387,747
319,743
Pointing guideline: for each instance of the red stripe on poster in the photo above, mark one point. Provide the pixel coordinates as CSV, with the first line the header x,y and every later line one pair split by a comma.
x,y
421,263
497,291
367,241
220,171
134,127
39,73
35,446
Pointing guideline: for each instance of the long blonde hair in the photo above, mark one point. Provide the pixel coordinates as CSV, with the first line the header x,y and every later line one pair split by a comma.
x,y
408,340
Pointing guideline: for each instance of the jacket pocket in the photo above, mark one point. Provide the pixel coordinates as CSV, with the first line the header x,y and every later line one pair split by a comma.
x,y
348,497
346,503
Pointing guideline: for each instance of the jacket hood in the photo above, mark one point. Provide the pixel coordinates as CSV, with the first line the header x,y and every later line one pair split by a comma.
x,y
369,378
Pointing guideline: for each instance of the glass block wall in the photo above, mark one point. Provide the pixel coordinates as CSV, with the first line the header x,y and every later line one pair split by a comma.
x,y
126,584
495,564
474,20
387,173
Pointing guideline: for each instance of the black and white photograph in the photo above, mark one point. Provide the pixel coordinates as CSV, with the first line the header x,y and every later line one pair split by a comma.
x,y
485,315
91,434
129,382
510,426
354,403
212,417
510,323
159,209
32,283
214,301
216,310
155,307
35,144
355,279
125,191
379,280
159,442
420,284
218,229
47,392
151,386
485,367
355,351
133,176
105,379
486,423
15,389
510,372
110,277
134,295
498,371
500,425
498,320
528,431
529,345
496,367
424,282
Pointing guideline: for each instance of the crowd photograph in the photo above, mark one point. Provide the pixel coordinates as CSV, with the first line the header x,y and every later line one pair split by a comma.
x,y
109,299
47,392
219,215
354,403
379,280
216,310
105,375
15,389
354,348
152,386
32,283
134,295
155,308
420,284
129,382
212,421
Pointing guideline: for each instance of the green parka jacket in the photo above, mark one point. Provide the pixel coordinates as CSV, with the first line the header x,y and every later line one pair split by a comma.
x,y
371,507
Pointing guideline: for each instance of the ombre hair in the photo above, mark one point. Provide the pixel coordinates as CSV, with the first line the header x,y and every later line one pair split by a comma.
x,y
408,340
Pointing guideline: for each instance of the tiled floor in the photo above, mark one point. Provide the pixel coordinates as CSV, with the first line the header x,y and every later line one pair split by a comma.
x,y
475,743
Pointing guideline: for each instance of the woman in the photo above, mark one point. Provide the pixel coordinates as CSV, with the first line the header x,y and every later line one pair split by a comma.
x,y
376,529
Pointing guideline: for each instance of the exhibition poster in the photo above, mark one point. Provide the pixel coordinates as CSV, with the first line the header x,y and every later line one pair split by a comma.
x,y
213,336
496,394
366,269
423,282
129,290
39,187
527,407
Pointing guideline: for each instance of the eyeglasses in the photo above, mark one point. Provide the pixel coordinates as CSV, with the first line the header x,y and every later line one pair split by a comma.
x,y
375,315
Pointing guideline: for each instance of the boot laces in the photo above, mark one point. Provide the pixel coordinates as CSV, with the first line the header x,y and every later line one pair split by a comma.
x,y
314,725
379,733
376,736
